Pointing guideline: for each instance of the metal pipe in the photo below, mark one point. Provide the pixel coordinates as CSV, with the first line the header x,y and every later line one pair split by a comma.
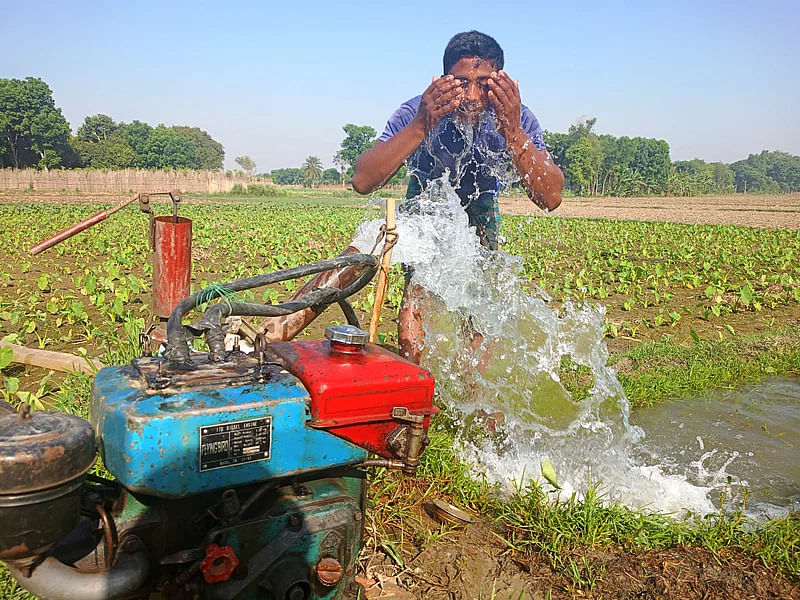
x,y
78,227
53,580
385,463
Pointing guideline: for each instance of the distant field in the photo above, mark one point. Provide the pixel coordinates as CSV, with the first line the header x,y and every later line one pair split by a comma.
x,y
780,212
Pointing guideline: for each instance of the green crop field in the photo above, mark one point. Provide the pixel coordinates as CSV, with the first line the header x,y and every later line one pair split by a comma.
x,y
667,282
688,307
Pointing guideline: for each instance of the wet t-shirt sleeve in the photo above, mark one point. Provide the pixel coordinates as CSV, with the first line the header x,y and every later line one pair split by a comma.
x,y
531,126
400,118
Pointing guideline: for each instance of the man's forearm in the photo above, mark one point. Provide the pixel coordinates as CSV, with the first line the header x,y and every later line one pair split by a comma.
x,y
377,165
541,178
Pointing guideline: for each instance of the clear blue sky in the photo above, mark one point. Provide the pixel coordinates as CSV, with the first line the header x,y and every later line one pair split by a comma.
x,y
277,80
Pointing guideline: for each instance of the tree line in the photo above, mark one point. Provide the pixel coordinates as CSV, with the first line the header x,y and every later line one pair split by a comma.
x,y
610,166
605,165
36,134
358,138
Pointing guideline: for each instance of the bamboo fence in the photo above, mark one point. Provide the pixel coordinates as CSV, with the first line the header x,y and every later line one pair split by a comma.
x,y
122,181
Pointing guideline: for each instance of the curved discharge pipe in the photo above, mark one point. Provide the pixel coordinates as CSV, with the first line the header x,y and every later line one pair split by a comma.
x,y
53,580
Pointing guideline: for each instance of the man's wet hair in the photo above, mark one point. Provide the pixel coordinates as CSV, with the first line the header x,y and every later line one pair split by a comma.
x,y
472,44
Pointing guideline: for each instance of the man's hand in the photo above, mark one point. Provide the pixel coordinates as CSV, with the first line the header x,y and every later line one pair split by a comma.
x,y
376,165
442,97
539,175
507,103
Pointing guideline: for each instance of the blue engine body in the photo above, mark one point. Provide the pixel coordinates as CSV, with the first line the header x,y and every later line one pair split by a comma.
x,y
174,435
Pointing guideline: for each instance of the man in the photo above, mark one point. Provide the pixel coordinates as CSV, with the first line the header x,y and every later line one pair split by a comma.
x,y
473,86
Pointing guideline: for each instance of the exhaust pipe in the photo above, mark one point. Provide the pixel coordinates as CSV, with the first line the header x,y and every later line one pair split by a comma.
x,y
53,580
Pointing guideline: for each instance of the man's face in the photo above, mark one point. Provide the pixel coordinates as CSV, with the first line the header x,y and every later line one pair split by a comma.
x,y
473,74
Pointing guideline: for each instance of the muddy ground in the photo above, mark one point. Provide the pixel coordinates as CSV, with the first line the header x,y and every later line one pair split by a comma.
x,y
475,563
781,211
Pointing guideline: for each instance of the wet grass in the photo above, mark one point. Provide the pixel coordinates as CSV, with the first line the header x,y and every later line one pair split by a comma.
x,y
531,522
655,371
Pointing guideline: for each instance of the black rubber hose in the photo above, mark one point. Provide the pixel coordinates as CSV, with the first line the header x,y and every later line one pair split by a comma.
x,y
177,337
320,298
349,313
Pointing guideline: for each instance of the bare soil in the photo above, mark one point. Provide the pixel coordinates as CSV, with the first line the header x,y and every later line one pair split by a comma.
x,y
474,563
781,211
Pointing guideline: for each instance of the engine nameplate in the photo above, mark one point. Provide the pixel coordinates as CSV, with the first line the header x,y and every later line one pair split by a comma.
x,y
231,444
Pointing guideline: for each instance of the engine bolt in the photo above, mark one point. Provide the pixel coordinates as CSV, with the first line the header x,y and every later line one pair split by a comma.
x,y
295,521
357,515
329,571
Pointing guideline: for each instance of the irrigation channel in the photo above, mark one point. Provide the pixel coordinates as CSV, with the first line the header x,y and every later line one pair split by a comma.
x,y
502,358
742,444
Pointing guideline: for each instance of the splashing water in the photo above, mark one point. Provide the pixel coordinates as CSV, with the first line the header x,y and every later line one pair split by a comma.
x,y
499,353
503,386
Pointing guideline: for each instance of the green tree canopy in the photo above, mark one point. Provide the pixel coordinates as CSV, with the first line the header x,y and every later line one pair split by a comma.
x,y
97,128
767,172
604,164
312,171
290,176
210,153
330,176
358,138
114,152
34,131
166,148
247,163
137,134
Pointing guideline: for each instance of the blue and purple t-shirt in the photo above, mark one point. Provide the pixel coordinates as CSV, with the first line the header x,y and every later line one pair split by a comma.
x,y
472,163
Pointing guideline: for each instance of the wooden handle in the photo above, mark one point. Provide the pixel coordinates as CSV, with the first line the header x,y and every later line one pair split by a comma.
x,y
380,288
57,361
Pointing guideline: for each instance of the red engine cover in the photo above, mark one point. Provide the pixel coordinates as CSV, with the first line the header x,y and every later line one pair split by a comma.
x,y
353,392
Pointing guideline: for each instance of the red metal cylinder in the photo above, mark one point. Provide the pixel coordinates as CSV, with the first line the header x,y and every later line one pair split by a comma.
x,y
172,263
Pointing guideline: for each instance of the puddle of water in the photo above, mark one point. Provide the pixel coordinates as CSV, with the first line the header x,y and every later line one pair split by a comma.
x,y
750,435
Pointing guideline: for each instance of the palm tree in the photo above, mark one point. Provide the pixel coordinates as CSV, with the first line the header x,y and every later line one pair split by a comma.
x,y
312,170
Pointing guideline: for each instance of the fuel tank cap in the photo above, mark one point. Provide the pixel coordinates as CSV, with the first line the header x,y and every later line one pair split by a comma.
x,y
42,449
346,334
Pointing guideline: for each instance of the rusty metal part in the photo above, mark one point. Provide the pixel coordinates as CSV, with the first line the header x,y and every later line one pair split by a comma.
x,y
144,206
329,571
414,438
219,564
177,348
172,262
43,449
288,326
43,459
53,580
32,523
237,369
109,535
383,463
444,512
78,227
